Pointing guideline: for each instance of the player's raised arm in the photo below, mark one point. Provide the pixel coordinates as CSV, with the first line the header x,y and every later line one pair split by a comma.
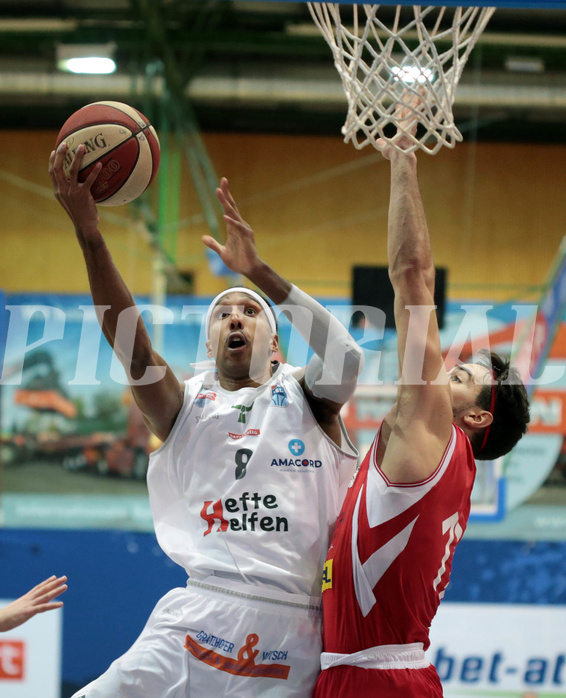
x,y
156,389
330,378
421,424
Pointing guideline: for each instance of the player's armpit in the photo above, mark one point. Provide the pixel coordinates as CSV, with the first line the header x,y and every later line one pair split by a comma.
x,y
160,401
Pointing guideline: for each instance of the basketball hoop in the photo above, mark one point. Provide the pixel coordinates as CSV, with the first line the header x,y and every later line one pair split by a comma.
x,y
380,71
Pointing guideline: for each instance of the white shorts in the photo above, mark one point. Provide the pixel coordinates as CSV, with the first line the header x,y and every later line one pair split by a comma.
x,y
220,638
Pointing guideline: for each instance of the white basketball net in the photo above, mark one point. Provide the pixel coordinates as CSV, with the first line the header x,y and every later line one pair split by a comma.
x,y
380,71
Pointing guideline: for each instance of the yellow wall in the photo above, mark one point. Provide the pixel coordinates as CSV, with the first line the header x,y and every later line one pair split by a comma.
x,y
496,213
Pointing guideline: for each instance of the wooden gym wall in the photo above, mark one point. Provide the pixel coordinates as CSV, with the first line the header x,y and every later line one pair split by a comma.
x,y
496,213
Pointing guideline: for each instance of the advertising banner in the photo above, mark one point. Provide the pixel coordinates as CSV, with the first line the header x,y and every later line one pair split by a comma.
x,y
30,657
500,651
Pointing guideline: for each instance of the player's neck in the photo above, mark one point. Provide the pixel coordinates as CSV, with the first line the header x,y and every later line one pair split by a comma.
x,y
233,383
470,433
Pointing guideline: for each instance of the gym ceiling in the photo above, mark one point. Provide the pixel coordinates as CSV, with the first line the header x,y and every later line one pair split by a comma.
x,y
254,66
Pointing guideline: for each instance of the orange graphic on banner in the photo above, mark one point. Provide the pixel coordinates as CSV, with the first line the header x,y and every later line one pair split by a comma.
x,y
244,665
12,655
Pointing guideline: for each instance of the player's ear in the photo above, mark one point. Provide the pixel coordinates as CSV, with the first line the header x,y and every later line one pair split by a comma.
x,y
274,342
478,419
209,353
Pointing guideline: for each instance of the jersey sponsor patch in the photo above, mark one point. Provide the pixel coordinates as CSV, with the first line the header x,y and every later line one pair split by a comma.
x,y
215,641
297,447
327,575
243,409
279,395
248,514
244,664
298,463
249,432
201,398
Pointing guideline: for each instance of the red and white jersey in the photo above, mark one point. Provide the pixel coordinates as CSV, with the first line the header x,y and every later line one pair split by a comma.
x,y
391,554
248,485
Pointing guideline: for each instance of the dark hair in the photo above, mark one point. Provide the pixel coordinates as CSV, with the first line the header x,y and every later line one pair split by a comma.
x,y
511,408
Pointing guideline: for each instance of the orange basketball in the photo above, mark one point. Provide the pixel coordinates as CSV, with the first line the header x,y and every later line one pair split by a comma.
x,y
123,140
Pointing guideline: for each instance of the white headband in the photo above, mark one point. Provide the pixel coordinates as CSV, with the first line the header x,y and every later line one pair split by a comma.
x,y
269,314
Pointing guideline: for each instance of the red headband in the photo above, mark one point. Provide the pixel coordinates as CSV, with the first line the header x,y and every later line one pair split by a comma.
x,y
491,408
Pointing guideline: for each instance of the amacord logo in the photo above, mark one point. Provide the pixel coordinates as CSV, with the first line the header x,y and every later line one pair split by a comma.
x,y
499,650
12,660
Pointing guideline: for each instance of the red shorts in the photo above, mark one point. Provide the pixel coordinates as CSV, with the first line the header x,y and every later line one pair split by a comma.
x,y
354,682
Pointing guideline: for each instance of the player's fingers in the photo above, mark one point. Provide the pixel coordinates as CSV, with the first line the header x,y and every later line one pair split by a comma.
x,y
385,151
53,175
223,184
224,193
225,199
47,596
52,594
220,195
48,606
59,157
76,164
54,169
239,224
56,587
52,581
228,194
213,244
50,170
420,95
50,587
93,174
58,176
40,588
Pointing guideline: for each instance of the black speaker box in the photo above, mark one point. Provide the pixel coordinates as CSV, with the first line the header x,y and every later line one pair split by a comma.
x,y
371,287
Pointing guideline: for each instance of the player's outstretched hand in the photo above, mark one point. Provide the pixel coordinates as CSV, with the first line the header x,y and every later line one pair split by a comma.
x,y
37,600
74,196
406,115
239,253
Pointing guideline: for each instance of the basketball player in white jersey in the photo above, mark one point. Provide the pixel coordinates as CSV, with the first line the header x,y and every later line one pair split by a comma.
x,y
390,557
247,485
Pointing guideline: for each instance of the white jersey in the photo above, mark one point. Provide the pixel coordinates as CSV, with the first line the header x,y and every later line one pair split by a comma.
x,y
247,485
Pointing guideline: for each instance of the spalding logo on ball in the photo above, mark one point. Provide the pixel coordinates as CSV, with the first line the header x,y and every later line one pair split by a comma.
x,y
123,140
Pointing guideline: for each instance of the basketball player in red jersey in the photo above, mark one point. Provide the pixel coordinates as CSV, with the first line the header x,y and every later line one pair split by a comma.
x,y
390,558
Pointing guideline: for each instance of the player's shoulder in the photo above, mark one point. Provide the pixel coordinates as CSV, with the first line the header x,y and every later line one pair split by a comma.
x,y
291,376
284,369
199,383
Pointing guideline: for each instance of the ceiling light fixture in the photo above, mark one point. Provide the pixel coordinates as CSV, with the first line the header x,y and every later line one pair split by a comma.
x,y
522,64
412,73
91,59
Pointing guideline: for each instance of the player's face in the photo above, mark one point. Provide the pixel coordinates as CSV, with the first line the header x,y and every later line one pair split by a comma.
x,y
466,383
238,325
